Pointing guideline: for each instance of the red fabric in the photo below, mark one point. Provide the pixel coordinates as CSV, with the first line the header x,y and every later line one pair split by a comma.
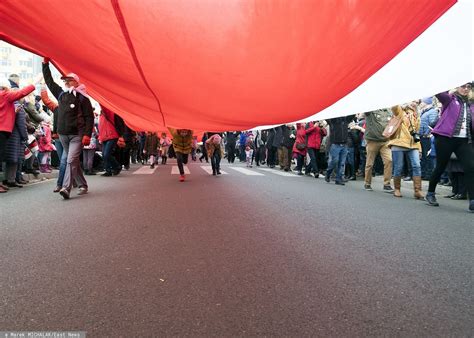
x,y
7,106
315,135
218,65
107,129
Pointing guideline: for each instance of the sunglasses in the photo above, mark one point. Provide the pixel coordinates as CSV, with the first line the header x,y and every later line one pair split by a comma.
x,y
466,86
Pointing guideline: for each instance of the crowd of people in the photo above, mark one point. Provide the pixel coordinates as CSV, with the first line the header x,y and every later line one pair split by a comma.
x,y
428,139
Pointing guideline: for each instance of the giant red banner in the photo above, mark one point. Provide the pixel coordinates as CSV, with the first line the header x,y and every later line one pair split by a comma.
x,y
218,64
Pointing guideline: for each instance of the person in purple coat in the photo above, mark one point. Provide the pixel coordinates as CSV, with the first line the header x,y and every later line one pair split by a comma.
x,y
454,133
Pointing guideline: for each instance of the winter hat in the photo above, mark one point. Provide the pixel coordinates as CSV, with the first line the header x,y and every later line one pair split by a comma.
x,y
216,139
428,100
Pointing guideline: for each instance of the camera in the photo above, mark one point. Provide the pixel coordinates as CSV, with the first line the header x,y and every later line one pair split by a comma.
x,y
416,136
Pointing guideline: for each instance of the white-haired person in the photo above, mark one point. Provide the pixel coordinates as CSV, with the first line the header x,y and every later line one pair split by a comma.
x,y
75,123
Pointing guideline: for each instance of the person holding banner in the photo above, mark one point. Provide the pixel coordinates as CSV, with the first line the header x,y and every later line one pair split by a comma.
x,y
75,123
8,114
454,133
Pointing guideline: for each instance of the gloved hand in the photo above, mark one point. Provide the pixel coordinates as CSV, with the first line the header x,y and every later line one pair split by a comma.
x,y
86,140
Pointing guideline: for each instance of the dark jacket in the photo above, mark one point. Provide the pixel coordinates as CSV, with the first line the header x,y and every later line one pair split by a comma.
x,y
287,141
152,143
338,131
270,138
278,140
15,148
75,114
231,140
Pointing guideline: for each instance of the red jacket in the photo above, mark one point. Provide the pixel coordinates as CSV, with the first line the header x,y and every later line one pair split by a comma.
x,y
315,135
107,129
47,101
300,138
45,141
7,106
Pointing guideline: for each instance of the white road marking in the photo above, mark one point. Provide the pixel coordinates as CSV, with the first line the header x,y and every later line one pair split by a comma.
x,y
144,171
208,169
175,170
278,172
247,172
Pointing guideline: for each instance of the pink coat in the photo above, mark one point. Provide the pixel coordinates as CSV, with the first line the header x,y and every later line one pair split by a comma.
x,y
7,106
300,138
45,141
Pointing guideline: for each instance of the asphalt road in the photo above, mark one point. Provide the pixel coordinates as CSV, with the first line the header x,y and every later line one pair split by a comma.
x,y
234,255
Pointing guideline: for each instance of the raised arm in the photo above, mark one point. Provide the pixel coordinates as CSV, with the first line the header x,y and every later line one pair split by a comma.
x,y
47,101
15,95
48,78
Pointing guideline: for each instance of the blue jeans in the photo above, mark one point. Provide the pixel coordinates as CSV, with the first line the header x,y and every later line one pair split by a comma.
x,y
63,161
110,163
242,153
337,159
216,160
414,158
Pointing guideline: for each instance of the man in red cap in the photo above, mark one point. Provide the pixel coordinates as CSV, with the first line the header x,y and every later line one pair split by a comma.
x,y
75,124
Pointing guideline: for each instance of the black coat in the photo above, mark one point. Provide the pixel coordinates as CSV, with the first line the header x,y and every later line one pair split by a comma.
x,y
75,113
271,137
287,142
338,129
278,140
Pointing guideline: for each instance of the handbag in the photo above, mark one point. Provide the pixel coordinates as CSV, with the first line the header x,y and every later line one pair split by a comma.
x,y
300,146
392,126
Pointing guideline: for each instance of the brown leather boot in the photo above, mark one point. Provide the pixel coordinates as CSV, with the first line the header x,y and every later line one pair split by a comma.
x,y
417,187
397,182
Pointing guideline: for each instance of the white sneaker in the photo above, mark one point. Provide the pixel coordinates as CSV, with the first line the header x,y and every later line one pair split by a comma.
x,y
82,191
